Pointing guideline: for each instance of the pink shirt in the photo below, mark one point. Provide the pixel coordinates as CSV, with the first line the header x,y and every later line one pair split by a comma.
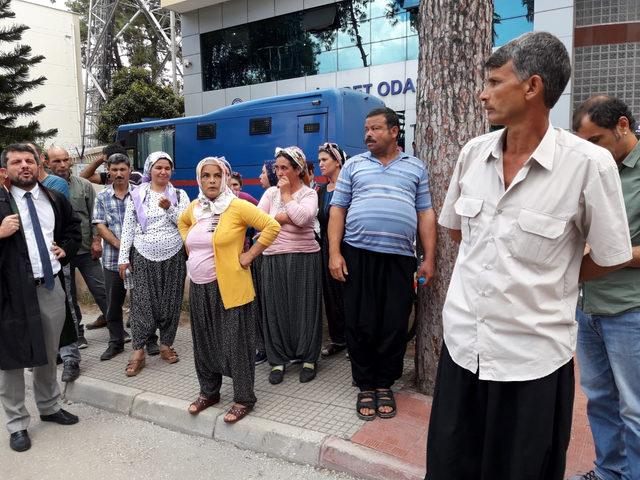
x,y
302,210
201,265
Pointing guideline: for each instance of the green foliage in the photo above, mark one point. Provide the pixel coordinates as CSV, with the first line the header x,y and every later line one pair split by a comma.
x,y
135,96
15,62
139,43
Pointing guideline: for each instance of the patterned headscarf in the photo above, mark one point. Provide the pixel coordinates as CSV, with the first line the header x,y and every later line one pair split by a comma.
x,y
206,207
295,153
271,174
139,196
335,151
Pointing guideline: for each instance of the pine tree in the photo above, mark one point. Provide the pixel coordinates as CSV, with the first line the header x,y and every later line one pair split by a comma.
x,y
14,81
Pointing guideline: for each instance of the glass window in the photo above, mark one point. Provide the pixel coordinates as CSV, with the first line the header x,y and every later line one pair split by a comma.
x,y
413,47
154,141
412,26
508,29
354,57
380,8
347,35
327,62
389,51
387,28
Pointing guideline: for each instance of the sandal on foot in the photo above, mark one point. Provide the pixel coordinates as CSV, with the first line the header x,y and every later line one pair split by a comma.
x,y
134,367
203,402
385,398
366,399
332,348
276,376
238,411
169,355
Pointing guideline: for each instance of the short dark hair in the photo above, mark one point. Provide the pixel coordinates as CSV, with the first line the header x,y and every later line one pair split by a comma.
x,y
536,53
390,116
237,176
117,158
17,147
604,111
113,148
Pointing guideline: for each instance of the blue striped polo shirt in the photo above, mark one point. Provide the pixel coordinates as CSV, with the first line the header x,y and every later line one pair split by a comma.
x,y
382,202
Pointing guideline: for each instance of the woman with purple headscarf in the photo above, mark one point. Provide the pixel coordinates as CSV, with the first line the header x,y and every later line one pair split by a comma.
x,y
151,249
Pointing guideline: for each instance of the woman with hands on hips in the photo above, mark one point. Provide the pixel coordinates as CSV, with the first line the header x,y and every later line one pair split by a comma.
x,y
221,292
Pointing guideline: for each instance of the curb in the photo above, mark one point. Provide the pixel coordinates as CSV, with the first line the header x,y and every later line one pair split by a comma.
x,y
345,456
275,439
101,394
172,413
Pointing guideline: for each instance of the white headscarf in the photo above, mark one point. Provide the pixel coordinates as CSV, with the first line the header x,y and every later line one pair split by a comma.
x,y
206,207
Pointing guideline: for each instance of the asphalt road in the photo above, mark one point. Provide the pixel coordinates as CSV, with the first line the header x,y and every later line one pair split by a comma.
x,y
110,446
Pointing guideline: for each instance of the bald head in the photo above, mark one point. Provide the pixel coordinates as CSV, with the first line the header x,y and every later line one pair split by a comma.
x,y
58,162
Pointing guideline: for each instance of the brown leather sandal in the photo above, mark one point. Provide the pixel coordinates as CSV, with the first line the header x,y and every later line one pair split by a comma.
x,y
168,354
238,411
203,402
135,366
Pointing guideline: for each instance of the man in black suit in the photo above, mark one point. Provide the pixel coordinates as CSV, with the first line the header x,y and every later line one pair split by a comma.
x,y
38,234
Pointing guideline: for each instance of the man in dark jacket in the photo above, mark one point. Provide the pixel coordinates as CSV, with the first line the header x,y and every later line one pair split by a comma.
x,y
38,234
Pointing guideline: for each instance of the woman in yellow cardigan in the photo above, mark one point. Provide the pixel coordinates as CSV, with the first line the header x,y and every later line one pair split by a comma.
x,y
221,295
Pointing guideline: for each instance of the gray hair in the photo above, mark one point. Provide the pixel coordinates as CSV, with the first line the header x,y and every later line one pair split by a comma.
x,y
536,53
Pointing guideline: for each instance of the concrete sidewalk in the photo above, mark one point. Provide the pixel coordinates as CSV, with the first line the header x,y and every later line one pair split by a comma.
x,y
313,423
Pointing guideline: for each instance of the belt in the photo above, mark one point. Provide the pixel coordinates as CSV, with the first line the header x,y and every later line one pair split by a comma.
x,y
38,281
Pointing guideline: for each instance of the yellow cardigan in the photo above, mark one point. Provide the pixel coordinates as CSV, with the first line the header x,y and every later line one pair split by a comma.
x,y
235,283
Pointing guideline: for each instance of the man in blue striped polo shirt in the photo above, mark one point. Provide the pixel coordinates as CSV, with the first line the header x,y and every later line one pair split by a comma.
x,y
381,199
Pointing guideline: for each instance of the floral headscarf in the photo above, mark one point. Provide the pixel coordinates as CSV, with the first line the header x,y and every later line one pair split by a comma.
x,y
295,153
271,174
335,151
207,207
140,194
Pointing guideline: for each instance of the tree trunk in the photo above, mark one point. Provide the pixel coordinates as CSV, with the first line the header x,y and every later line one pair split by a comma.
x,y
455,40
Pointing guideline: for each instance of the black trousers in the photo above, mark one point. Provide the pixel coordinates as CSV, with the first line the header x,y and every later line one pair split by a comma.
x,y
488,430
333,298
116,294
378,297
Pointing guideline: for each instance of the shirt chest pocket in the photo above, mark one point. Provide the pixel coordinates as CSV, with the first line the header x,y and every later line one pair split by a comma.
x,y
536,236
469,209
79,203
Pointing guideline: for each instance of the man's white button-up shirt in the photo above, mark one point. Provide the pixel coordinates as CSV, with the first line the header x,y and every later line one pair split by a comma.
x,y
510,308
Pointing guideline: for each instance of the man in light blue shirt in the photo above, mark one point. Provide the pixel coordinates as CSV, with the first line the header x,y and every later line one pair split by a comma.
x,y
381,199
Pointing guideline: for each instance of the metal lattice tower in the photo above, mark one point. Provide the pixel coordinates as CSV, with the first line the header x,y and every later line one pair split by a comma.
x,y
98,60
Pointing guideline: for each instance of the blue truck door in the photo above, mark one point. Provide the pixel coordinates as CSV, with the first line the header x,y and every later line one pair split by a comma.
x,y
312,132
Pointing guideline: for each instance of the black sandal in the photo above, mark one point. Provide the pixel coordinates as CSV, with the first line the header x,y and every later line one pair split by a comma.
x,y
385,398
363,403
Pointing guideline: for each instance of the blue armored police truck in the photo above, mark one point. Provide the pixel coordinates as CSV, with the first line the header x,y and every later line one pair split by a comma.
x,y
247,133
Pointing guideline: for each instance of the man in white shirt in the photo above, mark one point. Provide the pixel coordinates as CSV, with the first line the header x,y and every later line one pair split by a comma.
x,y
38,233
523,202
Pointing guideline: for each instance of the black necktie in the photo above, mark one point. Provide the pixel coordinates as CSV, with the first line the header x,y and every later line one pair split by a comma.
x,y
47,270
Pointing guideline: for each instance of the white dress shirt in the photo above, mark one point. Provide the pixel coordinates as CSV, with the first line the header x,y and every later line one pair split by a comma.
x,y
510,308
47,220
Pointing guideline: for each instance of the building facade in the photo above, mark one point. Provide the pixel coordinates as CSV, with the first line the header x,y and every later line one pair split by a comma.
x,y
238,50
607,50
55,34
